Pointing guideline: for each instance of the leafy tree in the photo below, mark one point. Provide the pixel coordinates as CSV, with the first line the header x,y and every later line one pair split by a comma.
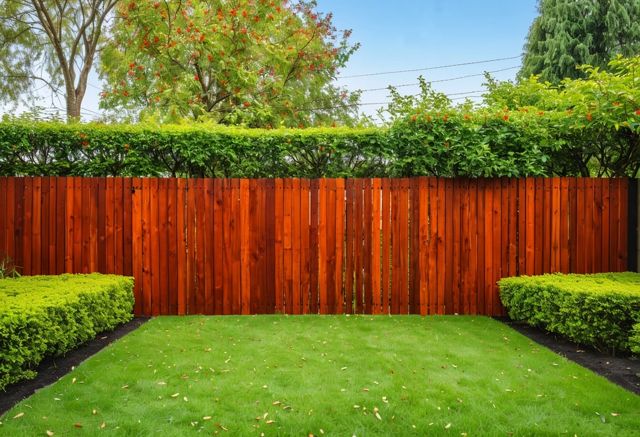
x,y
254,62
53,43
595,120
570,33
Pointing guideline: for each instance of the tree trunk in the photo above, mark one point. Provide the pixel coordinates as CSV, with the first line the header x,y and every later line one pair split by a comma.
x,y
73,108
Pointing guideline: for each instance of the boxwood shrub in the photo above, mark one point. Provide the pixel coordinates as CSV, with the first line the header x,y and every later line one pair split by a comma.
x,y
43,316
598,310
634,341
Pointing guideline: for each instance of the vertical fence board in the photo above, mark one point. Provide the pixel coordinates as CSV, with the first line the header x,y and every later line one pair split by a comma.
x,y
146,247
358,247
386,246
339,246
623,185
173,242
305,261
456,247
313,249
136,221
296,236
349,271
376,292
367,244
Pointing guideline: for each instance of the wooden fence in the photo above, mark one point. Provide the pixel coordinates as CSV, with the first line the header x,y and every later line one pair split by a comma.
x,y
375,246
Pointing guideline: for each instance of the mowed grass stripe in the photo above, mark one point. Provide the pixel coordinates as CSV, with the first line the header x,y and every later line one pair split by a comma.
x,y
337,375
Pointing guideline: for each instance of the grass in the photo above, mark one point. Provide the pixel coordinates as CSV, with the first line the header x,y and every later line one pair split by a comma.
x,y
337,375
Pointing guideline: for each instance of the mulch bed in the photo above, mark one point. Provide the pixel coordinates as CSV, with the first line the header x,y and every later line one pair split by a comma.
x,y
50,370
623,370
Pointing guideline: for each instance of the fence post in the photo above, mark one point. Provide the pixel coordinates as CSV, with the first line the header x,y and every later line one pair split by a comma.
x,y
633,257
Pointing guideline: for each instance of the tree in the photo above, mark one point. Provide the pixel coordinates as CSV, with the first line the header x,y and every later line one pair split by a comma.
x,y
595,120
256,62
570,33
53,42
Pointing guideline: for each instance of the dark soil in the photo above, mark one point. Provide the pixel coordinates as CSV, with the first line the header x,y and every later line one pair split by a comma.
x,y
51,369
623,370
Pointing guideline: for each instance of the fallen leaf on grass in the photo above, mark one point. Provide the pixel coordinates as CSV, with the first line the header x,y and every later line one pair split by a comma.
x,y
73,381
19,415
125,386
447,426
175,395
103,425
269,422
276,403
77,425
49,433
615,414
206,418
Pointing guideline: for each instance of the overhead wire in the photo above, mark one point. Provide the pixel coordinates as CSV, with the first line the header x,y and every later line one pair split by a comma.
x,y
438,67
438,80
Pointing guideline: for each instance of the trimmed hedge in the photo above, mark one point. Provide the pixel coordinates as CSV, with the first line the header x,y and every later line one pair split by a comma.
x,y
597,310
56,149
451,147
634,340
44,316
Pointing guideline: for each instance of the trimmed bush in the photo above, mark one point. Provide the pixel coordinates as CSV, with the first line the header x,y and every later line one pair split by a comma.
x,y
634,340
44,316
451,147
597,310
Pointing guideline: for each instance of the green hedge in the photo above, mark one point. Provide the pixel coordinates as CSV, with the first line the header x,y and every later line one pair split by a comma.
x,y
597,310
634,340
44,316
451,147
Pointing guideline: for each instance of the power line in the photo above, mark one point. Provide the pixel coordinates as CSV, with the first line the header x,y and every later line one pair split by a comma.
x,y
355,105
438,80
486,61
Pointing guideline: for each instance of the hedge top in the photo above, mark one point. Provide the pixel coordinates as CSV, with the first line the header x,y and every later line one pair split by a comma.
x,y
193,128
33,293
627,283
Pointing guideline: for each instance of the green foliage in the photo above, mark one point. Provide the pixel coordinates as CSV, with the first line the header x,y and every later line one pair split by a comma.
x,y
432,137
248,62
478,147
594,122
44,316
570,33
597,310
584,127
197,150
634,340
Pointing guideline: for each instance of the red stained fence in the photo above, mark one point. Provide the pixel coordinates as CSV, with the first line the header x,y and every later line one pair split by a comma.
x,y
329,246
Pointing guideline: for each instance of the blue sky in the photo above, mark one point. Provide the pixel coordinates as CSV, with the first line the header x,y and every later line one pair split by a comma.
x,y
412,34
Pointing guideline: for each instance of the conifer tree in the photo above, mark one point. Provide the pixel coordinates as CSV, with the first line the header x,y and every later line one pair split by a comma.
x,y
569,33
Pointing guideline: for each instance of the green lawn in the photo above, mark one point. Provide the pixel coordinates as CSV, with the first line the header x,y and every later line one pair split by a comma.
x,y
331,375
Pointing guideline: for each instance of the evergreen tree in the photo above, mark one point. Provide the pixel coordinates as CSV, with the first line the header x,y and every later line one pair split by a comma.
x,y
569,33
